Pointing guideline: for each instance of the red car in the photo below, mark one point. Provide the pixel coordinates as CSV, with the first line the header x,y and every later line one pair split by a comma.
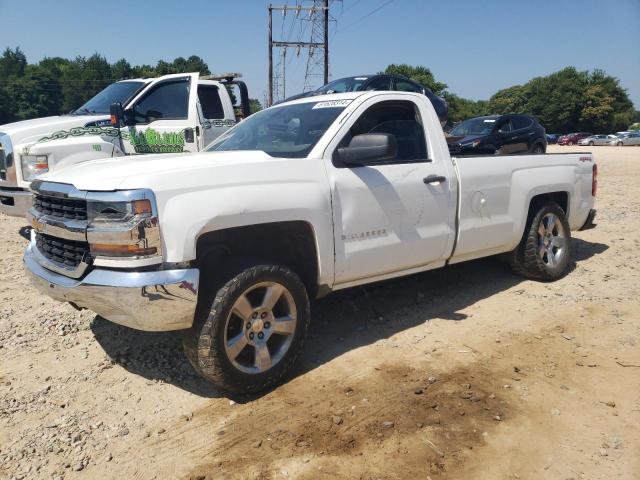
x,y
573,138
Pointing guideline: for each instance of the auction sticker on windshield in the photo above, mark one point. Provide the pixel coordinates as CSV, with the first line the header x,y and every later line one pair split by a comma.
x,y
332,104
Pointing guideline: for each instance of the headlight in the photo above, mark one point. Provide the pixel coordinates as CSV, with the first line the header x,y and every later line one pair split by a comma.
x,y
123,224
33,165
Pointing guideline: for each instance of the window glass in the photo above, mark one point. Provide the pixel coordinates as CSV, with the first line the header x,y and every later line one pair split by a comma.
x,y
382,83
505,127
210,101
400,119
407,86
474,126
349,84
289,131
116,92
521,122
169,100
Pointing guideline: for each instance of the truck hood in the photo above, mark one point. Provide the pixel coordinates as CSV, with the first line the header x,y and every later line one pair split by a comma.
x,y
30,131
154,171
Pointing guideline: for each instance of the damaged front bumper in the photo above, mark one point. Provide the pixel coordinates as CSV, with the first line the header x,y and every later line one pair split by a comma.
x,y
158,300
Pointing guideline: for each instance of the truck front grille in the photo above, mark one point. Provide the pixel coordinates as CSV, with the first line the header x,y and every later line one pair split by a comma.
x,y
66,253
64,208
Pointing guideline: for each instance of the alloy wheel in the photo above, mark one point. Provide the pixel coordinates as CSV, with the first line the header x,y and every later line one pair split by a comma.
x,y
552,240
260,327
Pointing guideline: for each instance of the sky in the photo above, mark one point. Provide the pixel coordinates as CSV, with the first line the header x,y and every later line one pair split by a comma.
x,y
475,47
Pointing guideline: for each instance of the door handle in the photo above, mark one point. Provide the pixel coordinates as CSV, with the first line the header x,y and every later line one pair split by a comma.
x,y
434,179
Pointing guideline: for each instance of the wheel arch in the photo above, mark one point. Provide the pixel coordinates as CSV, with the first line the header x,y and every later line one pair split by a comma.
x,y
290,243
536,202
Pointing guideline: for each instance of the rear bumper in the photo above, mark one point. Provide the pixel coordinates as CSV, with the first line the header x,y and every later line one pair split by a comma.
x,y
15,202
158,300
588,224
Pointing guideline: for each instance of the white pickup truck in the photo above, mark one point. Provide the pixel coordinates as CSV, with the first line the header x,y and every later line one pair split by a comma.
x,y
301,199
168,114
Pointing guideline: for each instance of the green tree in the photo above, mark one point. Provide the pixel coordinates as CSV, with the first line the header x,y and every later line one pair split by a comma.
x,y
254,105
463,108
569,100
121,70
32,94
12,63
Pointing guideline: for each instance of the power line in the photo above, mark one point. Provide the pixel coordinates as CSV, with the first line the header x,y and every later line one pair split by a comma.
x,y
368,14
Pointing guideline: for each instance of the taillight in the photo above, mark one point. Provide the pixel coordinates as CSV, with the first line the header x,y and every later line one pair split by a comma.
x,y
594,180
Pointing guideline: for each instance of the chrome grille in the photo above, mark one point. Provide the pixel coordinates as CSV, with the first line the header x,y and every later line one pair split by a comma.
x,y
66,253
64,208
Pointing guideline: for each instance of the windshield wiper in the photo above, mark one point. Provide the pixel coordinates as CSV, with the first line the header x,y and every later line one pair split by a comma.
x,y
84,111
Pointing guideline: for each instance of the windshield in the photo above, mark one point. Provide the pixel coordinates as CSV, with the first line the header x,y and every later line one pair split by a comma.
x,y
350,84
474,126
116,92
290,131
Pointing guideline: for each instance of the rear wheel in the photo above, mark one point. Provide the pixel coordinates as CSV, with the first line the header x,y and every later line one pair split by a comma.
x,y
249,330
537,149
570,143
545,249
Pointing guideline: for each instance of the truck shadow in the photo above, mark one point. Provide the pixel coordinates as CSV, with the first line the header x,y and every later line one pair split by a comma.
x,y
341,322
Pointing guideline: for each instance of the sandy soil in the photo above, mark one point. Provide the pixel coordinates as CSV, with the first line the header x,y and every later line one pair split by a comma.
x,y
466,372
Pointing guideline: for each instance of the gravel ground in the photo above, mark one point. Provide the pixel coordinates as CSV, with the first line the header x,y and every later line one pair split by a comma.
x,y
466,372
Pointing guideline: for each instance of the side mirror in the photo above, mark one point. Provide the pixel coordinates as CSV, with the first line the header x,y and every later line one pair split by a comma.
x,y
117,114
368,148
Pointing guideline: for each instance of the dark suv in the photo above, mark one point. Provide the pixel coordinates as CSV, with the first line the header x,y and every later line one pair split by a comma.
x,y
380,82
497,134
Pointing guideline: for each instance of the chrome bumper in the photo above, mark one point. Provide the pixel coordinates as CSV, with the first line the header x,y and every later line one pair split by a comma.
x,y
158,300
15,202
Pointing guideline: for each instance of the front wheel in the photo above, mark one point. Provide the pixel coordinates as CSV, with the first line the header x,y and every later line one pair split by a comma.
x,y
545,249
249,331
619,144
591,144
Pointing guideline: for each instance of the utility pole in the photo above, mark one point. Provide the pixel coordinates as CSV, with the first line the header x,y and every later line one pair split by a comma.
x,y
316,15
270,56
326,41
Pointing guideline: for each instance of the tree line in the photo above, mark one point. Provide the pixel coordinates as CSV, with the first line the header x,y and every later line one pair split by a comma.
x,y
568,100
58,85
565,101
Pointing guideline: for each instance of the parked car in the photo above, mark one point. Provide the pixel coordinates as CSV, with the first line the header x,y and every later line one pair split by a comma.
x,y
573,138
597,140
380,82
497,134
629,139
230,245
168,114
552,138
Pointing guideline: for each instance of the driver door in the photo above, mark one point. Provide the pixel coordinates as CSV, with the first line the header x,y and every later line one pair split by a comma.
x,y
387,217
163,117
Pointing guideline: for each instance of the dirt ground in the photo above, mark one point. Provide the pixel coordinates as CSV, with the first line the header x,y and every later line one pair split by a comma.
x,y
465,372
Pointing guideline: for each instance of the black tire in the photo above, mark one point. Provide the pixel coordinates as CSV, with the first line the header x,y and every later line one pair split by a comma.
x,y
204,343
591,144
537,149
526,259
619,144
